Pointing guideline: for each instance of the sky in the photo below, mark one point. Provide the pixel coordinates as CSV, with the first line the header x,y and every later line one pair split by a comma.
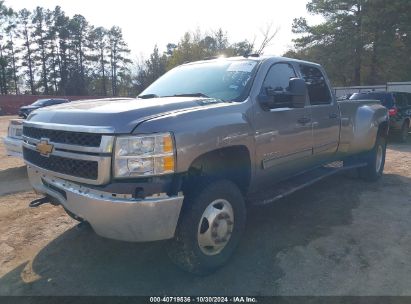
x,y
146,23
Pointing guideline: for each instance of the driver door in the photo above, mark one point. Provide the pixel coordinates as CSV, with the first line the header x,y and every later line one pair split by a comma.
x,y
283,136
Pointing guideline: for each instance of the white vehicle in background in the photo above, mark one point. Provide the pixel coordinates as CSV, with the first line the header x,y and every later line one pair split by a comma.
x,y
14,140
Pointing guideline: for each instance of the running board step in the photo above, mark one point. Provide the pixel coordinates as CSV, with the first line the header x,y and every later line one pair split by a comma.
x,y
298,182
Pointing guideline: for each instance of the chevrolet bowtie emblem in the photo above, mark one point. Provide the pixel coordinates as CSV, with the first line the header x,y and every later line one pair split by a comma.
x,y
44,147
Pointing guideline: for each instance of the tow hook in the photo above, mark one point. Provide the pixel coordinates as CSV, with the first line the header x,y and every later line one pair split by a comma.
x,y
40,201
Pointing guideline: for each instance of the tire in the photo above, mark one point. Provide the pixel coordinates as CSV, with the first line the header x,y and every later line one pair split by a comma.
x,y
215,213
375,160
403,136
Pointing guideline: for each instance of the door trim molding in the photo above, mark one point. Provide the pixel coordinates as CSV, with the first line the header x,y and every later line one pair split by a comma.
x,y
276,160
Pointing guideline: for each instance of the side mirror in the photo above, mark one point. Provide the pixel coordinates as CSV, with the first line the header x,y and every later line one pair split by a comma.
x,y
299,91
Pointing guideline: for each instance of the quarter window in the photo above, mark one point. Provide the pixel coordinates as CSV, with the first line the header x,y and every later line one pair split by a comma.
x,y
318,90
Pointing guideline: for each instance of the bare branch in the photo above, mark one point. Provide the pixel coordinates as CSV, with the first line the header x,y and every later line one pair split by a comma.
x,y
269,34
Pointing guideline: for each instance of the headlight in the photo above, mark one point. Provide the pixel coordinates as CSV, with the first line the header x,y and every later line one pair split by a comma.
x,y
143,155
15,130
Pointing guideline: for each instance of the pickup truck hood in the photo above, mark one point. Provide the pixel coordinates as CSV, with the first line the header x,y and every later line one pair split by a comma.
x,y
123,115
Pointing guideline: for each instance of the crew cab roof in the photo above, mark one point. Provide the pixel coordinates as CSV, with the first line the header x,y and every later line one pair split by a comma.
x,y
255,58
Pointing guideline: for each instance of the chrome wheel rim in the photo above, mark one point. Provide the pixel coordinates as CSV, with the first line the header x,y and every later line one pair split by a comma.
x,y
379,159
215,227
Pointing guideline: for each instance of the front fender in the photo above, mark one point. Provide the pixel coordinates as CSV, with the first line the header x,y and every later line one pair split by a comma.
x,y
199,131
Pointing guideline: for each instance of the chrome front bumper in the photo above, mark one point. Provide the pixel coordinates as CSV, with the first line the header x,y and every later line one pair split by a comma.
x,y
14,146
111,215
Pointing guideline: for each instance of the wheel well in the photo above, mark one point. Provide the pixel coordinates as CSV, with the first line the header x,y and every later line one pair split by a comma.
x,y
232,163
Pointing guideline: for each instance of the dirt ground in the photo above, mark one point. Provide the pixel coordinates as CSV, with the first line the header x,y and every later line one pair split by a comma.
x,y
339,237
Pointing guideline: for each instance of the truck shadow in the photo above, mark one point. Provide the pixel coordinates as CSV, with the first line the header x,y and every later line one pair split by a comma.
x,y
80,263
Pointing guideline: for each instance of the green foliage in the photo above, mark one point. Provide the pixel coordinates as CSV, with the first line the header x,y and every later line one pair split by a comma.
x,y
47,52
197,46
151,68
359,42
118,57
6,49
57,54
192,47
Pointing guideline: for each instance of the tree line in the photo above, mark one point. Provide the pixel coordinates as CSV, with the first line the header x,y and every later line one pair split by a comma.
x,y
46,52
360,42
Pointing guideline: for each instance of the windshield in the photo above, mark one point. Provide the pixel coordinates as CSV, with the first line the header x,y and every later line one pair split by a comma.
x,y
40,102
385,98
222,79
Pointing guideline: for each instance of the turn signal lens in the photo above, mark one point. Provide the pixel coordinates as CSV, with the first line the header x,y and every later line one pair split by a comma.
x,y
167,144
168,164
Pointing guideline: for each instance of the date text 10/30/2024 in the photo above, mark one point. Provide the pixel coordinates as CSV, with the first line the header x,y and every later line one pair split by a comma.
x,y
166,299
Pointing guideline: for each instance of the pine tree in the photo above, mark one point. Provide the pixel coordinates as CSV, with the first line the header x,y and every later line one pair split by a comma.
x,y
118,56
40,37
26,33
98,39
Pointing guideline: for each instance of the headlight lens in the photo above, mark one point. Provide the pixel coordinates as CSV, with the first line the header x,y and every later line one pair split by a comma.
x,y
144,155
15,130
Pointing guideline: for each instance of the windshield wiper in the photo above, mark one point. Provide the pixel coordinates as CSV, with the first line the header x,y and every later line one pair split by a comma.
x,y
147,96
191,95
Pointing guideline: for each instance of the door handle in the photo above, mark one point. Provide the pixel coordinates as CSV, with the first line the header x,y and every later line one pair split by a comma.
x,y
304,120
333,115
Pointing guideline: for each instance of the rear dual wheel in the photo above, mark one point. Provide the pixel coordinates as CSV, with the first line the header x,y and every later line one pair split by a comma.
x,y
375,160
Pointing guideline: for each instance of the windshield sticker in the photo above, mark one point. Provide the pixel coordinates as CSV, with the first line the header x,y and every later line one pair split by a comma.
x,y
242,66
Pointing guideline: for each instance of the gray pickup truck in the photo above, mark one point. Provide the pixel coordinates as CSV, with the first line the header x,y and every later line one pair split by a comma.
x,y
184,160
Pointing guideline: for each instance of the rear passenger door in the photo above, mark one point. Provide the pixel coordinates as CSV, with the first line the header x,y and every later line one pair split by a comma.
x,y
325,113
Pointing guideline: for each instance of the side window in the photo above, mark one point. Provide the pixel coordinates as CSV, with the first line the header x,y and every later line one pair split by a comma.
x,y
318,90
278,77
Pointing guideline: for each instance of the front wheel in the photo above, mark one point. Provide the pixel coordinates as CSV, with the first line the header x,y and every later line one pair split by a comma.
x,y
210,228
375,161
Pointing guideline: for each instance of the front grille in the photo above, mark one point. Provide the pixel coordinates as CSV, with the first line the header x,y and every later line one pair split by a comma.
x,y
64,137
78,168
